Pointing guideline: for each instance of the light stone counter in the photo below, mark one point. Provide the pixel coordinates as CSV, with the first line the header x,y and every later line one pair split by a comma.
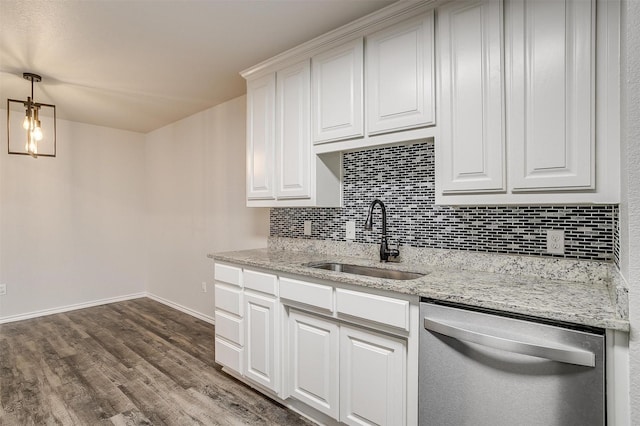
x,y
558,289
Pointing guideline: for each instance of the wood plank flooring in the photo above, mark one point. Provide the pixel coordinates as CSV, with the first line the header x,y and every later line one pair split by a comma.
x,y
129,363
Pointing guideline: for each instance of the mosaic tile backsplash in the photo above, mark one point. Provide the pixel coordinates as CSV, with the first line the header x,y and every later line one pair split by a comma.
x,y
403,178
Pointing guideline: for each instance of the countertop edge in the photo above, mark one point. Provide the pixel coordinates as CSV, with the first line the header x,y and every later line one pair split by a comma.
x,y
609,317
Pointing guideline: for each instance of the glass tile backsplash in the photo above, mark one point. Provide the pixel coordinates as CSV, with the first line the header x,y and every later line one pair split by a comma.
x,y
403,178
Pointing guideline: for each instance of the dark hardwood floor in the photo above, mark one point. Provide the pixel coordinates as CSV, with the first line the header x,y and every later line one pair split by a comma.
x,y
129,363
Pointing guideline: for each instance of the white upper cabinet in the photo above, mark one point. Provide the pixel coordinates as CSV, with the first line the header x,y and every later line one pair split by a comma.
x,y
471,156
282,169
519,121
400,77
293,147
372,84
261,137
337,92
551,72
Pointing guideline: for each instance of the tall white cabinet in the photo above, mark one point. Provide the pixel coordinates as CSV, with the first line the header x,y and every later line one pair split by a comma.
x,y
471,148
282,170
293,147
550,68
518,114
261,101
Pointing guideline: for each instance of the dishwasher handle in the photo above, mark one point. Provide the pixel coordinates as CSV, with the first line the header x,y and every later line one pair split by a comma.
x,y
553,353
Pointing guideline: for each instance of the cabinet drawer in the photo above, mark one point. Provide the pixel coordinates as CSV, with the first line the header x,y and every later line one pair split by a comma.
x,y
228,274
265,283
381,309
317,295
229,355
229,327
228,299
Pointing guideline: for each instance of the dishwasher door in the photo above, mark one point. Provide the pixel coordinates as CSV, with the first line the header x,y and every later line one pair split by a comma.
x,y
478,368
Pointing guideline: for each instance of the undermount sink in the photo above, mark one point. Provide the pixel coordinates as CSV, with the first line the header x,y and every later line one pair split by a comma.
x,y
368,271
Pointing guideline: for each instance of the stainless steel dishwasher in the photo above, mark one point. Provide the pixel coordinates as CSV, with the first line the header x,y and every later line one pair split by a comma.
x,y
483,368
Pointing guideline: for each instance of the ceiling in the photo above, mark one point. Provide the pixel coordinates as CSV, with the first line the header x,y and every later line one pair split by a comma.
x,y
140,65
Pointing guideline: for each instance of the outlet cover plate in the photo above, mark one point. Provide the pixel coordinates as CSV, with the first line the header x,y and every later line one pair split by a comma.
x,y
350,230
307,227
555,241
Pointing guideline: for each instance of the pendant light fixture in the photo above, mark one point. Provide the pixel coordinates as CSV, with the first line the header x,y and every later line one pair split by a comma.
x,y
31,126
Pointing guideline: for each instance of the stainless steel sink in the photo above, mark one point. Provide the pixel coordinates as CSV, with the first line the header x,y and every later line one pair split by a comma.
x,y
368,271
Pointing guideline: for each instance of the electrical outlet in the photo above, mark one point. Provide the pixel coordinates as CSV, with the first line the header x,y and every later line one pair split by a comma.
x,y
3,289
350,230
307,227
555,241
204,286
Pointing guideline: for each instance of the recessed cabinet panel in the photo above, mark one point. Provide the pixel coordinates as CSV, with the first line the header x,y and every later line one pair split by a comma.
x,y
261,137
337,92
399,74
471,150
372,378
313,368
229,355
260,348
293,150
551,65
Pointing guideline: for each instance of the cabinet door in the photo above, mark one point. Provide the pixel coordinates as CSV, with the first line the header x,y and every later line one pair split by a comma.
x,y
261,347
551,72
400,77
261,137
471,148
372,378
313,362
337,92
293,147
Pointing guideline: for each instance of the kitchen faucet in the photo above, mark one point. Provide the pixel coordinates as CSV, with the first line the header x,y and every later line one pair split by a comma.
x,y
385,251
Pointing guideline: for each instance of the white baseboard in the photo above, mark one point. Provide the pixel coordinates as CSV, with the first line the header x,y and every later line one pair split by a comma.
x,y
188,311
68,308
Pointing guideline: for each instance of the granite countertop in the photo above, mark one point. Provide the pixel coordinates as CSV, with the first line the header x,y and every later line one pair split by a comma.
x,y
580,302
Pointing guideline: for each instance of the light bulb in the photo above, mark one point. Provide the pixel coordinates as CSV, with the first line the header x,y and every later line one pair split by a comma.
x,y
26,124
37,132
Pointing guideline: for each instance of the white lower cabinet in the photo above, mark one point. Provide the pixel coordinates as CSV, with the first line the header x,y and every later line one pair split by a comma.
x,y
350,373
338,355
313,362
372,378
261,350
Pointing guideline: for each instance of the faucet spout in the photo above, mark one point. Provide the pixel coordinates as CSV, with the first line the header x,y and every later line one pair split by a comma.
x,y
385,251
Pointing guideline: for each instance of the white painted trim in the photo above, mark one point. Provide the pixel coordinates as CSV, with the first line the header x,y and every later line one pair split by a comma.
x,y
59,310
188,311
617,379
366,25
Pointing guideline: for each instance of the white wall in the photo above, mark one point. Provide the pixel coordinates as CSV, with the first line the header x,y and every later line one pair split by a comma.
x,y
630,206
195,182
71,227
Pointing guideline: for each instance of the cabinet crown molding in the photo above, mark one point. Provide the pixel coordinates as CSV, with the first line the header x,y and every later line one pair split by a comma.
x,y
368,24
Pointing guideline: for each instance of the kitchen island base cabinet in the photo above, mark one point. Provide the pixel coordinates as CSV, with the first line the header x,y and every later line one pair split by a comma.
x,y
372,378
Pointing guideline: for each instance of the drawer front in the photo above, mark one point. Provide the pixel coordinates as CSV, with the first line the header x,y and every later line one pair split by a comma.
x,y
228,274
229,355
317,295
229,327
258,281
228,299
381,309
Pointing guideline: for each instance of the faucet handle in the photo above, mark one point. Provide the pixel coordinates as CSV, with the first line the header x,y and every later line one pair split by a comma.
x,y
396,251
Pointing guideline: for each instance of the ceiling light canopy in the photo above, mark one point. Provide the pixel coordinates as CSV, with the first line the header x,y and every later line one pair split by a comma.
x,y
31,126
